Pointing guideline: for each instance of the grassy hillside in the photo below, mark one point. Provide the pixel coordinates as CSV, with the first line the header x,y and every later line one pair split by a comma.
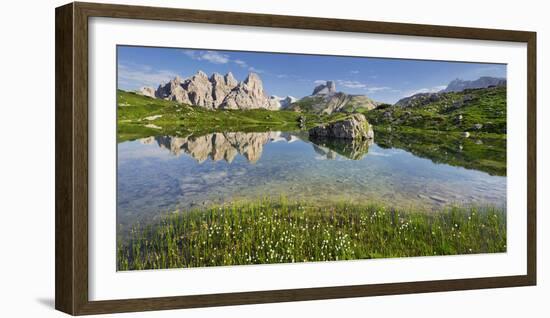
x,y
140,116
479,110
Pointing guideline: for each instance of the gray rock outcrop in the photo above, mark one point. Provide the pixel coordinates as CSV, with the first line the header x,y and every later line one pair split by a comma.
x,y
418,100
354,127
146,91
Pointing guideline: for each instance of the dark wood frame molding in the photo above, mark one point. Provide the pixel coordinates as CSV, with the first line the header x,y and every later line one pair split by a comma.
x,y
71,157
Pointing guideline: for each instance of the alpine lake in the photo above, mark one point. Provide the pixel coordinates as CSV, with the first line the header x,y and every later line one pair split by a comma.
x,y
161,174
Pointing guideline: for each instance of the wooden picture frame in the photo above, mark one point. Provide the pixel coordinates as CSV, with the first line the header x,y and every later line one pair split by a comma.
x,y
71,109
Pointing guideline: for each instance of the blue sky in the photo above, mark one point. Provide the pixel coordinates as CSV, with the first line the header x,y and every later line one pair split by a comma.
x,y
385,80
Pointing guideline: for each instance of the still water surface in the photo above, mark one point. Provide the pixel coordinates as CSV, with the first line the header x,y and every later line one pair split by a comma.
x,y
159,175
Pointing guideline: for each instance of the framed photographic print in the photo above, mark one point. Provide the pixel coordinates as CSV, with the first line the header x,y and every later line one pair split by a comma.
x,y
219,158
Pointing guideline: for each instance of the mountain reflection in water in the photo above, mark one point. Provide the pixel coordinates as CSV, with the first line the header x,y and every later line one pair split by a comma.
x,y
226,146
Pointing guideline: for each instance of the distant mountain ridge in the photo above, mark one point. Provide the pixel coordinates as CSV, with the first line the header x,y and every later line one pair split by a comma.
x,y
284,101
216,92
459,85
456,86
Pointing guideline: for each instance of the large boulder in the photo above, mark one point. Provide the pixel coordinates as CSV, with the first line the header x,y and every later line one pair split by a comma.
x,y
354,127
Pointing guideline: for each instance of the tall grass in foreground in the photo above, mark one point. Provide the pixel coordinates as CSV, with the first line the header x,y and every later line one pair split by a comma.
x,y
276,231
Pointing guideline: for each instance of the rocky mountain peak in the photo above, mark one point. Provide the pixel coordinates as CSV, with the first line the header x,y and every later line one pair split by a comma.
x,y
176,80
216,91
221,87
329,88
216,78
249,94
201,74
230,79
253,81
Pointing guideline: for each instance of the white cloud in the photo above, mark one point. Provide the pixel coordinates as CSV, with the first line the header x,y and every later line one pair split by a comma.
x,y
219,58
374,89
192,54
351,84
241,63
210,56
354,72
356,85
255,70
138,75
214,57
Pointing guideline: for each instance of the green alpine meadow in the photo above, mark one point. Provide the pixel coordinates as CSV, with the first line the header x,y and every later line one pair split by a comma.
x,y
282,232
247,158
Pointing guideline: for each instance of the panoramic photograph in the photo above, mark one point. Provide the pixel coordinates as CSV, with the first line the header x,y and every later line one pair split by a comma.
x,y
231,158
